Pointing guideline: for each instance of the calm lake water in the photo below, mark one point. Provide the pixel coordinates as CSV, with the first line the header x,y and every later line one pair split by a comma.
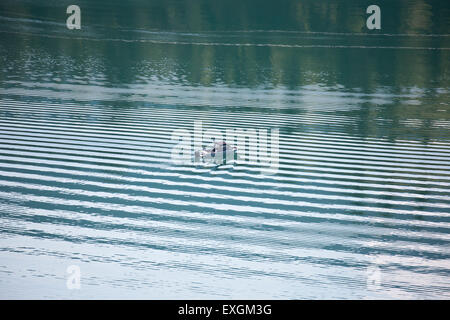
x,y
358,208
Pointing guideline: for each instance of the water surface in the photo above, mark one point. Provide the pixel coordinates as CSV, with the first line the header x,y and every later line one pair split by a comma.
x,y
360,205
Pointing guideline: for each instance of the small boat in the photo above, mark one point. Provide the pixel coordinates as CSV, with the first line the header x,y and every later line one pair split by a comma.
x,y
219,152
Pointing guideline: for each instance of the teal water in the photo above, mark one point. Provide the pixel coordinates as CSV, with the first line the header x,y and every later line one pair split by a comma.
x,y
358,208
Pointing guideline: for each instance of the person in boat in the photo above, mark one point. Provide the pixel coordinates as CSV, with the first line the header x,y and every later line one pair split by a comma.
x,y
220,148
221,145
